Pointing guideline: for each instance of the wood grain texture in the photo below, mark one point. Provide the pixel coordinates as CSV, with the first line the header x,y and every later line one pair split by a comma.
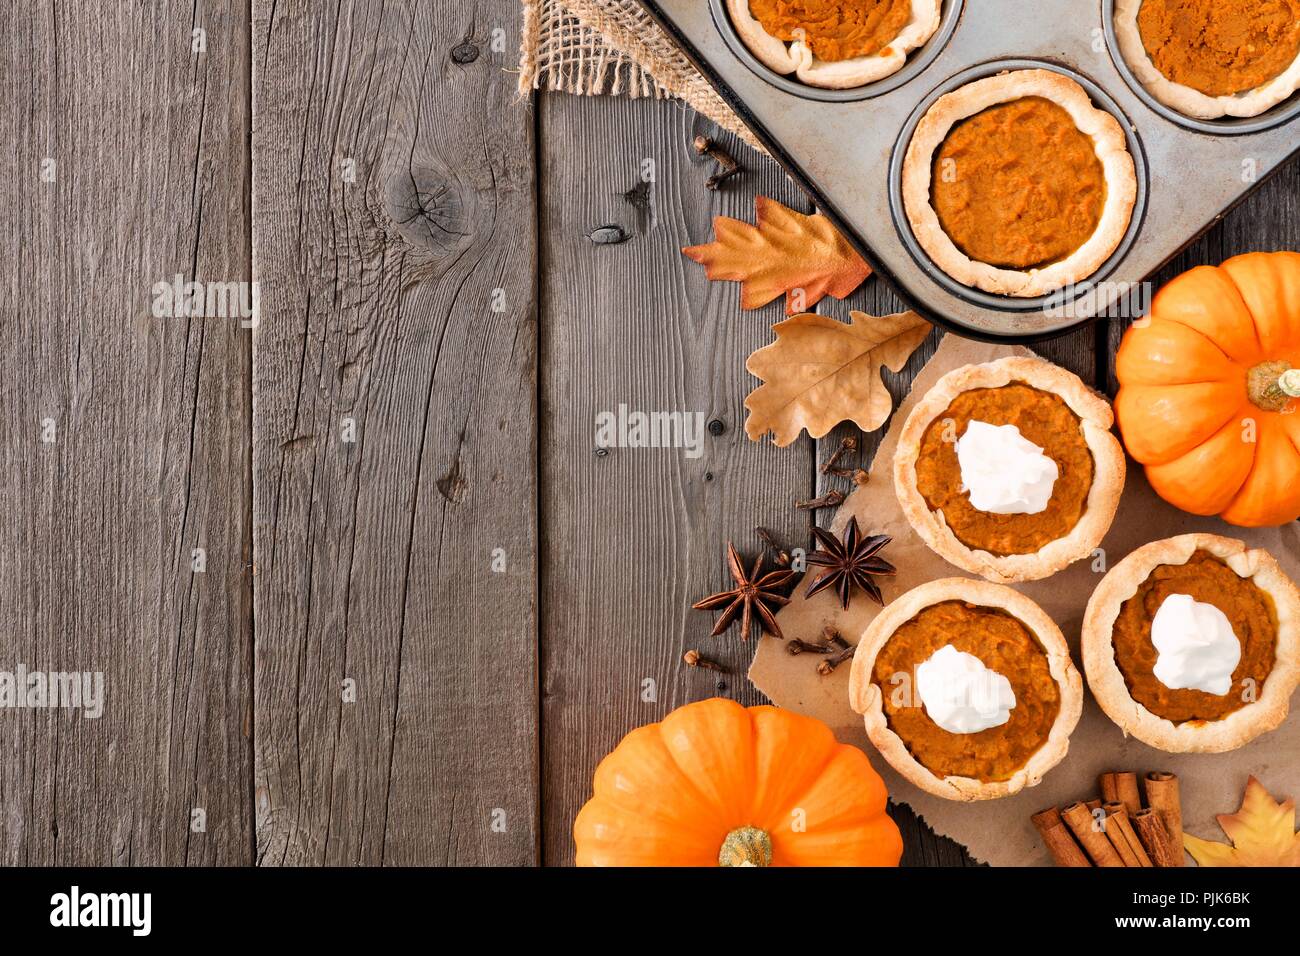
x,y
394,238
632,537
429,606
126,164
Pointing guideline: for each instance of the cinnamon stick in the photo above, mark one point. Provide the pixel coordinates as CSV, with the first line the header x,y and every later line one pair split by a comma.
x,y
1126,782
1109,790
1116,838
1163,796
1095,843
1092,805
1122,835
1058,839
1151,831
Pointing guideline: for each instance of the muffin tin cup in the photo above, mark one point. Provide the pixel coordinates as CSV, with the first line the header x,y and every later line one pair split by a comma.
x,y
1283,112
1055,300
845,148
917,61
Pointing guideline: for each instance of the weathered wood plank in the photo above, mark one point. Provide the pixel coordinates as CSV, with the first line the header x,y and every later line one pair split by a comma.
x,y
394,380
125,432
632,537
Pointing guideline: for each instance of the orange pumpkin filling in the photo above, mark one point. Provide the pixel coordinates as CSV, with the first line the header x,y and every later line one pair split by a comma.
x,y
1004,645
1220,47
1018,185
1045,420
834,29
1207,579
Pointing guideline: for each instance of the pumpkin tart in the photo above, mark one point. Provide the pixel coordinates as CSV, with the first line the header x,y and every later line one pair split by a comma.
x,y
966,688
1180,685
1212,58
1017,185
1008,469
834,44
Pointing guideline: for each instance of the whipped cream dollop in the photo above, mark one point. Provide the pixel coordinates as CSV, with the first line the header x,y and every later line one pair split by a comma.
x,y
1004,472
960,694
1197,647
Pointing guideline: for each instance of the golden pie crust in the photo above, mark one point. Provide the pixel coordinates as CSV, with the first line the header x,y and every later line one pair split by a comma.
x,y
1095,421
1185,99
975,97
1192,736
797,56
867,699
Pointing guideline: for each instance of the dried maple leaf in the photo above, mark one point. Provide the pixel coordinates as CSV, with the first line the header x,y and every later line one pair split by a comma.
x,y
820,372
1262,834
804,257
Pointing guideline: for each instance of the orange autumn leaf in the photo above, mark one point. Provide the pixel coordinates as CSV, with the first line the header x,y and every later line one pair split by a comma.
x,y
1262,834
820,372
803,257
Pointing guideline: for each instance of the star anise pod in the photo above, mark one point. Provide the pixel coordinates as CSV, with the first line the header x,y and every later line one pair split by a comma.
x,y
751,596
850,563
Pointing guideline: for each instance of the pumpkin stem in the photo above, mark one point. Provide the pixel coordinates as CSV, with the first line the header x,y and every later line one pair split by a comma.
x,y
746,846
1272,385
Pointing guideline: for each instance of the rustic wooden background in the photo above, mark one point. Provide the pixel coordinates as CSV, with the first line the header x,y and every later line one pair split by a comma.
x,y
428,289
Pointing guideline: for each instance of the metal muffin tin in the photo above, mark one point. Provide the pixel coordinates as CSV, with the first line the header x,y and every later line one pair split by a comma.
x,y
1281,113
985,299
917,61
845,147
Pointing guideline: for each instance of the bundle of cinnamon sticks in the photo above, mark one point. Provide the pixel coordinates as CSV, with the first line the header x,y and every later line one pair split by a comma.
x,y
1116,829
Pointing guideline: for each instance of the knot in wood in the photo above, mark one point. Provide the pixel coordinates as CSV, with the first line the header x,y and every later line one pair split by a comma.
x,y
431,211
463,53
608,235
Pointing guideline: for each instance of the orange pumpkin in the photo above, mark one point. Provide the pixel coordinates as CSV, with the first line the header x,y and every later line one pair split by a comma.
x,y
716,784
1209,397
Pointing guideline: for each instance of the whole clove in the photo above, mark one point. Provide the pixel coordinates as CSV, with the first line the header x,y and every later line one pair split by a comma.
x,y
728,166
833,637
797,646
694,658
779,554
829,664
828,500
847,444
858,476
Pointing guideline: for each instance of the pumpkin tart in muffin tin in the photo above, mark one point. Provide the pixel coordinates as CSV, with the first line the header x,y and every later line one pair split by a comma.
x,y
1008,469
1212,58
1192,643
966,688
834,44
1017,185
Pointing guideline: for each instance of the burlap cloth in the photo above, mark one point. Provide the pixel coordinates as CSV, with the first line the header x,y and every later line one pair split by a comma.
x,y
594,47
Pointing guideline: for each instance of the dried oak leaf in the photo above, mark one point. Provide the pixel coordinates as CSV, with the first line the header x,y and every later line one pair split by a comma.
x,y
820,372
1262,834
785,252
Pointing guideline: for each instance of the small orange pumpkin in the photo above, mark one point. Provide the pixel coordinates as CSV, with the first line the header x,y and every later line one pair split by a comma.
x,y
1209,397
716,784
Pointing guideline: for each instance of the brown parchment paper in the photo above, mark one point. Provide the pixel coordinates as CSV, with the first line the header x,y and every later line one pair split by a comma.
x,y
998,831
